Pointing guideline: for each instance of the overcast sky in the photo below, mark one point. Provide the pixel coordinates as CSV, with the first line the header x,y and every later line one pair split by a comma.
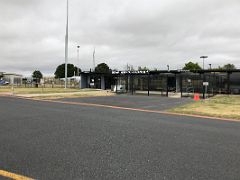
x,y
150,33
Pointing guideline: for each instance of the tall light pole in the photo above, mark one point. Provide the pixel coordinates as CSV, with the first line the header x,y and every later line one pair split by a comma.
x,y
78,62
203,57
94,59
66,49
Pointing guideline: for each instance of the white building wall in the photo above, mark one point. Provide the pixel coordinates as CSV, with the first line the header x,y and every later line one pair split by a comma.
x,y
13,79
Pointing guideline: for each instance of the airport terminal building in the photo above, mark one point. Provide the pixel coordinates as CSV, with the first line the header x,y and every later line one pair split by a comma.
x,y
166,83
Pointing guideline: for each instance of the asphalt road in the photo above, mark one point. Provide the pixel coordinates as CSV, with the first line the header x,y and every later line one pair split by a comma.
x,y
136,101
47,140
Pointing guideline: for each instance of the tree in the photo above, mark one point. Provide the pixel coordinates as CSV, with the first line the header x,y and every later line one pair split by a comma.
x,y
60,71
229,67
102,68
142,68
191,66
37,75
129,67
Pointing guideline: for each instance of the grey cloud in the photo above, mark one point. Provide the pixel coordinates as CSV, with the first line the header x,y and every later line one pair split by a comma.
x,y
148,33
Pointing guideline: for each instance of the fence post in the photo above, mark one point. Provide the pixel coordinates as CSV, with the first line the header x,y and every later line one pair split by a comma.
x,y
167,87
228,82
132,82
117,84
180,77
203,87
148,83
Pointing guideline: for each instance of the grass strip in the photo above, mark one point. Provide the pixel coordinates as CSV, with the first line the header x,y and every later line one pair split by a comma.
x,y
223,106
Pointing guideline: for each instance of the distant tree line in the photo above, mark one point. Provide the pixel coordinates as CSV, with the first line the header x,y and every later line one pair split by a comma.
x,y
71,71
195,66
104,68
191,66
37,75
227,67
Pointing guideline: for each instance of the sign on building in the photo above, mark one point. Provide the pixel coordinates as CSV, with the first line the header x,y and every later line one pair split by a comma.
x,y
205,83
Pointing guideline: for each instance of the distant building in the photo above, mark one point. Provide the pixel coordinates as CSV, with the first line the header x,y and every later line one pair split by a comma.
x,y
163,82
12,78
1,74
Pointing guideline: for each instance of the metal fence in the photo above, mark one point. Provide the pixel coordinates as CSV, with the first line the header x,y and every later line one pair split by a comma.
x,y
184,84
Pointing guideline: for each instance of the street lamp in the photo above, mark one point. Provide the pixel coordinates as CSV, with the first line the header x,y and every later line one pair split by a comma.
x,y
210,66
78,60
203,57
66,50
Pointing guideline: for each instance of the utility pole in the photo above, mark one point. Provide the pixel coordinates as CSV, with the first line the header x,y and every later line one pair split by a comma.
x,y
66,49
78,62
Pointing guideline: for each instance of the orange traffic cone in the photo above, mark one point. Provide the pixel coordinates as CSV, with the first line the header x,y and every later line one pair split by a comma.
x,y
196,97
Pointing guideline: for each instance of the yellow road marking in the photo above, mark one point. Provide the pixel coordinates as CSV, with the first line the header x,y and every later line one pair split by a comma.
x,y
132,109
13,176
140,110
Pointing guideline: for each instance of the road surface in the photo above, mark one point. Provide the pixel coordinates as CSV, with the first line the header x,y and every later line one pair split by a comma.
x,y
49,140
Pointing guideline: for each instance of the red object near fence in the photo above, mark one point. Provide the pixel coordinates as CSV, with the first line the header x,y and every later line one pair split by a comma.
x,y
196,97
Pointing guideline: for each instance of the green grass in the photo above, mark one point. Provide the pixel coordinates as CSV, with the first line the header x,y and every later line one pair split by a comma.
x,y
218,106
74,95
53,93
39,90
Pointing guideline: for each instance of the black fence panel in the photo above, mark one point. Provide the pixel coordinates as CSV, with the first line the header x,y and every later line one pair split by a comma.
x,y
207,83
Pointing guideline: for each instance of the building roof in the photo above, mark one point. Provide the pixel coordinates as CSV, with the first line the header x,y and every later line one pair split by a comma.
x,y
13,74
164,72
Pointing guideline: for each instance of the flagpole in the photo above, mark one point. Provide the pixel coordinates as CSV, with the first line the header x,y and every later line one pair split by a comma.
x,y
94,59
66,49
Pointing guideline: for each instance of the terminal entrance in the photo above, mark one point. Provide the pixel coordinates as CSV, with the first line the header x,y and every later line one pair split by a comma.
x,y
171,83
95,82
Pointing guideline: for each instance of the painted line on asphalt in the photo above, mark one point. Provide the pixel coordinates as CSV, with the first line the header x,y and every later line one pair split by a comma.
x,y
140,110
146,110
132,109
13,175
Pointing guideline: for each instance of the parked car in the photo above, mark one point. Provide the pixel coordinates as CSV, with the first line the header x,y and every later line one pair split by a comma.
x,y
3,82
